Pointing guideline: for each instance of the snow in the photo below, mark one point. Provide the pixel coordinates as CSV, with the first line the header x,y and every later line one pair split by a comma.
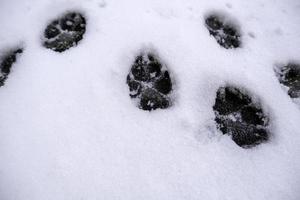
x,y
69,129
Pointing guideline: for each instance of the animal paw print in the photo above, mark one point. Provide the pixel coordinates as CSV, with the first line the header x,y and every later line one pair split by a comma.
x,y
6,63
225,33
238,116
149,82
289,76
65,32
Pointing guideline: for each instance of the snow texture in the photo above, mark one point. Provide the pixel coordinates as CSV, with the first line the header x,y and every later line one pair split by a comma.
x,y
70,131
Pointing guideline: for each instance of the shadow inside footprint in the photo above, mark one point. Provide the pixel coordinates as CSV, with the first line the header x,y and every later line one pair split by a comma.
x,y
65,32
289,76
238,116
149,82
226,34
6,63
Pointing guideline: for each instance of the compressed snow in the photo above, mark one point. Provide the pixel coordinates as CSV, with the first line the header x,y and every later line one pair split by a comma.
x,y
69,129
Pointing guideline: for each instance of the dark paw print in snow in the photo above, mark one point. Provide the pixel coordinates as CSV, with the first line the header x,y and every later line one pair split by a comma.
x,y
65,32
149,82
6,63
238,116
289,76
225,33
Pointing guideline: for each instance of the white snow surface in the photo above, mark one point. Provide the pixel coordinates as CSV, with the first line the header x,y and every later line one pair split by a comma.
x,y
69,130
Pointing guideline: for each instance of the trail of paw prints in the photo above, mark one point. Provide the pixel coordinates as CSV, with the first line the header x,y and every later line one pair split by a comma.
x,y
149,82
238,116
225,33
7,62
289,76
65,32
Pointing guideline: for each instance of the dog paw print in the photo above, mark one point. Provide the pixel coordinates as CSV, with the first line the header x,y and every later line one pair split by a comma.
x,y
224,32
237,115
289,76
149,82
65,32
6,63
